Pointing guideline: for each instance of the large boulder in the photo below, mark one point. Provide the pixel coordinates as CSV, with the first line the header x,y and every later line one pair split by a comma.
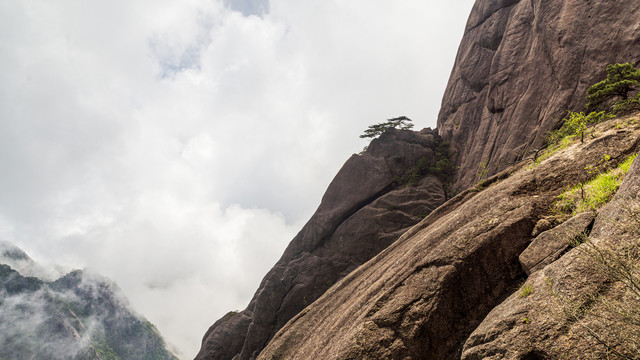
x,y
365,209
521,65
551,244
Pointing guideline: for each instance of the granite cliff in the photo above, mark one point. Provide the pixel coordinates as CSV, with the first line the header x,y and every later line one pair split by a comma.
x,y
384,270
520,66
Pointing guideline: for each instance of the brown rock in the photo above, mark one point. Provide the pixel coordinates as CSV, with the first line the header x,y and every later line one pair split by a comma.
x,y
362,212
423,296
521,65
551,244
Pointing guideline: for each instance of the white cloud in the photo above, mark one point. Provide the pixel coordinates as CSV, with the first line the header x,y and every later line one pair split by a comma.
x,y
177,146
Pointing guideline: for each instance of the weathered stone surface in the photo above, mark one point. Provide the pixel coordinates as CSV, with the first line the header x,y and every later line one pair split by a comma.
x,y
540,323
362,212
551,244
541,226
421,297
521,65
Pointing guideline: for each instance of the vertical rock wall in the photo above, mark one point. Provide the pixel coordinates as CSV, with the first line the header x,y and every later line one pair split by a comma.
x,y
521,65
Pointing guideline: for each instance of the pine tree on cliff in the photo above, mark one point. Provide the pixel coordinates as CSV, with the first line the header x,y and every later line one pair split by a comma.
x,y
621,80
402,123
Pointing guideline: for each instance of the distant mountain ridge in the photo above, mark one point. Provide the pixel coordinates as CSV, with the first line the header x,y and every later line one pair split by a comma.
x,y
80,316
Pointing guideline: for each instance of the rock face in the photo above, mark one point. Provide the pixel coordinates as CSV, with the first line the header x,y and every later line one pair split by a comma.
x,y
521,65
366,207
424,295
80,316
572,298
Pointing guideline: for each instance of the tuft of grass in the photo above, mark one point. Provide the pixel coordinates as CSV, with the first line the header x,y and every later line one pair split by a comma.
x,y
562,143
525,290
595,193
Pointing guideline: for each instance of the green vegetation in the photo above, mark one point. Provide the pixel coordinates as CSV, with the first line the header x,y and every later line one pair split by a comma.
x,y
402,123
594,193
622,107
482,170
621,80
576,124
442,167
525,290
103,349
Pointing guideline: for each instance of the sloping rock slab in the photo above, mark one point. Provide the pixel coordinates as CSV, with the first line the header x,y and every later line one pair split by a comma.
x,y
422,296
536,325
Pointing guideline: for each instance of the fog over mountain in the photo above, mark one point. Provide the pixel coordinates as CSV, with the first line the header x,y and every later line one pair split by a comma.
x,y
79,316
176,147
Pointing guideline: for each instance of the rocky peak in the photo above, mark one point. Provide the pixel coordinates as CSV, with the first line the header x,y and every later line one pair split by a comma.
x,y
373,199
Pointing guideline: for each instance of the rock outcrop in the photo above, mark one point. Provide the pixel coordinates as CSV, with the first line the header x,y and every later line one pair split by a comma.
x,y
551,244
367,207
424,295
521,65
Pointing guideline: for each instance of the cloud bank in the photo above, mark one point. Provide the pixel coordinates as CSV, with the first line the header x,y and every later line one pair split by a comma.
x,y
177,146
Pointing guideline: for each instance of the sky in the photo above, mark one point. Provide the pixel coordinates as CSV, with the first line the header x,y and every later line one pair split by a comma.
x,y
176,147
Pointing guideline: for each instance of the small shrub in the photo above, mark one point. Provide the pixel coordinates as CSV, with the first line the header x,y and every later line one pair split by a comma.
x,y
576,124
623,107
482,170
